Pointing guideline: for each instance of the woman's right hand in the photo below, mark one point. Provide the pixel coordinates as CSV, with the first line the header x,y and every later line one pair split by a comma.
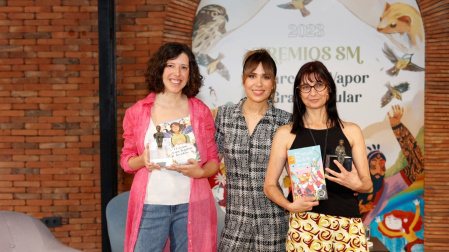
x,y
146,160
302,204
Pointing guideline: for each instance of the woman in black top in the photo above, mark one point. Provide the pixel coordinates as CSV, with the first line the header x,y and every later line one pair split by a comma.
x,y
335,223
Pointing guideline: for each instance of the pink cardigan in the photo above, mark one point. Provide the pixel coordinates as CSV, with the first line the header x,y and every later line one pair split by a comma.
x,y
202,217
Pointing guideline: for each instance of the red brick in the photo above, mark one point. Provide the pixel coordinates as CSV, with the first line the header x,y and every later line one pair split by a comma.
x,y
39,164
12,202
37,125
5,9
54,196
38,100
39,202
27,184
65,139
52,119
49,15
21,16
37,61
80,183
11,165
47,2
50,158
27,209
66,151
38,190
63,165
37,152
66,9
50,54
79,170
55,209
51,145
27,196
50,41
66,202
67,190
49,28
22,29
25,106
38,177
25,158
4,196
37,23
37,8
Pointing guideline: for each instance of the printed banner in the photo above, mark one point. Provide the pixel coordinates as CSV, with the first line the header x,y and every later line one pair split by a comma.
x,y
375,52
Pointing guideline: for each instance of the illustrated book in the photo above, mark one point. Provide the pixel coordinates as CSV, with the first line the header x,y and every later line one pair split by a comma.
x,y
173,143
307,173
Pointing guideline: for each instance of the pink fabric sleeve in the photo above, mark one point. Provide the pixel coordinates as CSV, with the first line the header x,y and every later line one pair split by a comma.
x,y
129,147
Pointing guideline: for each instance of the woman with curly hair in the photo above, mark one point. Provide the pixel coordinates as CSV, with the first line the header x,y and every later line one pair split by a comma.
x,y
174,201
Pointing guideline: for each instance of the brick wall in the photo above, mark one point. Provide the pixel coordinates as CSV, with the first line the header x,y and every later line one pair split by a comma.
x,y
49,128
435,15
49,131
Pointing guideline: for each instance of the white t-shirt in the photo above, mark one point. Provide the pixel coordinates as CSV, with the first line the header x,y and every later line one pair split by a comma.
x,y
165,187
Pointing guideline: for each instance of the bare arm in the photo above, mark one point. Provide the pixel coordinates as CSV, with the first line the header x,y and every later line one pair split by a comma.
x,y
358,179
281,143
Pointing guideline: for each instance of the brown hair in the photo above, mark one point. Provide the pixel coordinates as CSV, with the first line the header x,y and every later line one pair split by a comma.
x,y
252,60
158,62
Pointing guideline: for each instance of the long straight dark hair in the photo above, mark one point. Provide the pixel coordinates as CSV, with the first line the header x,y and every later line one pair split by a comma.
x,y
319,71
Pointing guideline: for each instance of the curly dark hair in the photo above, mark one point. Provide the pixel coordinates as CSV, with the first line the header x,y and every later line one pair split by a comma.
x,y
157,64
319,71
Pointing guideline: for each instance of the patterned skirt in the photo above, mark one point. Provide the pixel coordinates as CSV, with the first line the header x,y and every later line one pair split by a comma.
x,y
320,232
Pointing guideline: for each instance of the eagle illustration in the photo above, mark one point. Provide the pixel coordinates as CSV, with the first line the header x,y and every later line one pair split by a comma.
x,y
209,28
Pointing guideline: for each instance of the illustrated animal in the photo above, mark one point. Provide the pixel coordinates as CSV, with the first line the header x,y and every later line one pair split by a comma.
x,y
403,19
297,5
394,92
400,63
209,28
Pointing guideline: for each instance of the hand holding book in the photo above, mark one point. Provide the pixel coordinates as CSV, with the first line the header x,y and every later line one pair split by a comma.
x,y
306,173
192,169
302,204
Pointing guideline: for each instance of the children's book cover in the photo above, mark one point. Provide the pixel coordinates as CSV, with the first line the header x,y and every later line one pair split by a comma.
x,y
173,143
307,173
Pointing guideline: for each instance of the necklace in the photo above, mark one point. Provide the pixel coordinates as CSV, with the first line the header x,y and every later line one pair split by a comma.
x,y
249,114
325,141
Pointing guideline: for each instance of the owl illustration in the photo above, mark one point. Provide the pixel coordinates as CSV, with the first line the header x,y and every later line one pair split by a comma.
x,y
209,28
394,92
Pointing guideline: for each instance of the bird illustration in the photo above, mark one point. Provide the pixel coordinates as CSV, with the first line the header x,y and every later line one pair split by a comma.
x,y
209,28
297,5
216,65
213,97
394,92
402,63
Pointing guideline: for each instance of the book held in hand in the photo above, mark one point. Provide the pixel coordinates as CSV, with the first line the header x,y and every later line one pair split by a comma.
x,y
173,144
307,173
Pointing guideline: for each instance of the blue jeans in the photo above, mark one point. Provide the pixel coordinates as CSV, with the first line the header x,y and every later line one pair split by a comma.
x,y
160,221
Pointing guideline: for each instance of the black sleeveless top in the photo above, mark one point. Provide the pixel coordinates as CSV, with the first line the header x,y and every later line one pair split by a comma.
x,y
341,200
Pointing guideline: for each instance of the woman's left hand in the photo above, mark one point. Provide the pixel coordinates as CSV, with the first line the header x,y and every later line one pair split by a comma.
x,y
345,178
193,169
